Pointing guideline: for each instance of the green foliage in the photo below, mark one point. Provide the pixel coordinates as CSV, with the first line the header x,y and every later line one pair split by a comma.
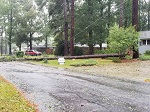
x,y
11,100
115,59
144,57
99,52
93,19
128,57
123,40
147,52
106,51
7,58
44,54
78,51
85,63
59,51
45,61
19,54
88,30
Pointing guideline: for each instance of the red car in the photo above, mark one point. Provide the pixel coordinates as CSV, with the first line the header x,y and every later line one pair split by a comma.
x,y
32,53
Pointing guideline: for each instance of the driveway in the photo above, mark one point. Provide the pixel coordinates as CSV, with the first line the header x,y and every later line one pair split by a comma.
x,y
59,90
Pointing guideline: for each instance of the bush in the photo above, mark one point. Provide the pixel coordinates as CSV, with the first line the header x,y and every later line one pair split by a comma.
x,y
122,39
115,59
128,57
19,54
85,63
144,57
45,61
7,58
78,51
147,52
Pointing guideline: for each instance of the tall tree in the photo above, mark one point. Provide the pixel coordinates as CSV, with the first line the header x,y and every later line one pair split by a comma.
x,y
72,29
65,28
149,15
135,23
121,13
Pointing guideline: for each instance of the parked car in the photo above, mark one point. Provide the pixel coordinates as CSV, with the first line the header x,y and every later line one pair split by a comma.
x,y
32,53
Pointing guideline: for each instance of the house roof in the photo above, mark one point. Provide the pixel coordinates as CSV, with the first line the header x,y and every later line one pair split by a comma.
x,y
144,35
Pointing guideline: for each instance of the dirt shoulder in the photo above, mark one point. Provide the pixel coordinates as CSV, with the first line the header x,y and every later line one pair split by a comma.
x,y
134,70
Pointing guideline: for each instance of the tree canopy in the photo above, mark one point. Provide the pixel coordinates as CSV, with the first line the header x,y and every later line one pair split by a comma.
x,y
93,20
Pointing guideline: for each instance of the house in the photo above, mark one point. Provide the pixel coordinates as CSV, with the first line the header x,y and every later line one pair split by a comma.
x,y
144,41
85,47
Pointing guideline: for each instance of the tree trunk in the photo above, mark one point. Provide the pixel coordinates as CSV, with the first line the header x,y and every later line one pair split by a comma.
x,y
91,48
10,33
101,27
109,12
72,29
149,15
101,48
135,23
121,13
20,47
65,29
90,43
30,41
5,37
46,43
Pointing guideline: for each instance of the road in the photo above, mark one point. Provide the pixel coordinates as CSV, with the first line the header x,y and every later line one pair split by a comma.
x,y
59,90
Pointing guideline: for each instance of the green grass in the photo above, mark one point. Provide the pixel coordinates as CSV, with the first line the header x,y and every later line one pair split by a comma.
x,y
42,56
90,62
144,57
68,63
11,100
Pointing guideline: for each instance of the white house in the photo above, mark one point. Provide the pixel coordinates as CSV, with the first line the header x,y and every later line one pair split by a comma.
x,y
144,41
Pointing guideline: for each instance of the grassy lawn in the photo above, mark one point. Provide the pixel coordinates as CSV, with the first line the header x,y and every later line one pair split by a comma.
x,y
68,62
11,100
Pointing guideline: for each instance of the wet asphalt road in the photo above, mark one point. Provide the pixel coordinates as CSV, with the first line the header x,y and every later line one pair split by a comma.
x,y
58,90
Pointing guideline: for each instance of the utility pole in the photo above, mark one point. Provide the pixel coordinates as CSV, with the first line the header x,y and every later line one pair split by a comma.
x,y
72,29
135,23
65,29
121,13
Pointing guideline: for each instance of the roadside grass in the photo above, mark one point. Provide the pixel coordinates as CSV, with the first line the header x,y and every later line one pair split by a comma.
x,y
11,100
147,80
42,56
71,62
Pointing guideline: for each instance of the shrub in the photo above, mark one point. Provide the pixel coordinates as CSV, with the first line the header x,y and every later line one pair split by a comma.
x,y
147,52
128,57
19,54
115,59
85,63
144,57
125,39
78,51
45,61
7,58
